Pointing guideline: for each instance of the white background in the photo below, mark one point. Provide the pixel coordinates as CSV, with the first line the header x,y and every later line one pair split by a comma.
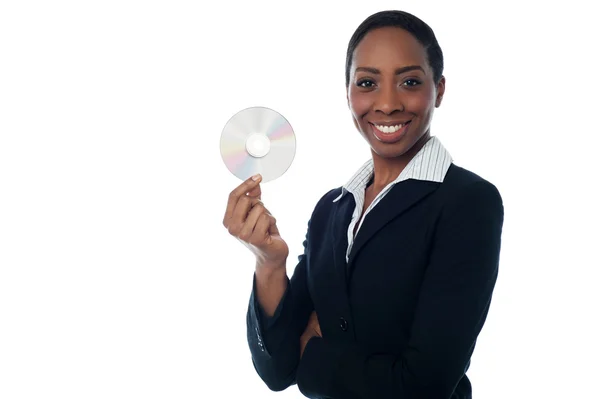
x,y
117,279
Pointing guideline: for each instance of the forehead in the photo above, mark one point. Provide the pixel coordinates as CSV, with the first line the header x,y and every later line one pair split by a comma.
x,y
389,46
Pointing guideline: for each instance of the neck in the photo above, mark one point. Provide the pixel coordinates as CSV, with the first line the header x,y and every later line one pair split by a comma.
x,y
386,170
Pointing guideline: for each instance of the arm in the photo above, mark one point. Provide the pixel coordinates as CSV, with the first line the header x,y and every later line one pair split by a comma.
x,y
277,314
453,305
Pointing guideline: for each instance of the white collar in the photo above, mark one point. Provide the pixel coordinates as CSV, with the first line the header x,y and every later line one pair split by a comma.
x,y
431,163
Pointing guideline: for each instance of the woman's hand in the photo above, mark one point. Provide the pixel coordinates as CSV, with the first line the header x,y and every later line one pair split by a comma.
x,y
247,219
313,329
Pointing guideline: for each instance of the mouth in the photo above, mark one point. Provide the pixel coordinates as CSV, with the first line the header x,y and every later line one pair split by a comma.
x,y
390,132
390,127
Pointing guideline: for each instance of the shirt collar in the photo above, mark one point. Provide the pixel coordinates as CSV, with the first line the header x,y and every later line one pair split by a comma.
x,y
431,163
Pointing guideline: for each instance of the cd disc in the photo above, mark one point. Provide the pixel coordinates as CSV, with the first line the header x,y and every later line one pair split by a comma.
x,y
258,140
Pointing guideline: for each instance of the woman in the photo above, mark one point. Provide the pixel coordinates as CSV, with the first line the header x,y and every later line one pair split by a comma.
x,y
399,264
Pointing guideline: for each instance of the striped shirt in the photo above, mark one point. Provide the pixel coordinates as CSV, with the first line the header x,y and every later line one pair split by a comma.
x,y
430,163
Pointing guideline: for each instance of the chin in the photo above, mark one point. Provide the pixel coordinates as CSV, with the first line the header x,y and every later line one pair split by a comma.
x,y
389,151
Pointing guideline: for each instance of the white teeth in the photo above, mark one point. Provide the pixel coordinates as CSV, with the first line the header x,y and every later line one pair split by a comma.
x,y
389,129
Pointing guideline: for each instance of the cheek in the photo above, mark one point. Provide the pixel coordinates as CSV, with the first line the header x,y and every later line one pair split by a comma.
x,y
359,104
420,103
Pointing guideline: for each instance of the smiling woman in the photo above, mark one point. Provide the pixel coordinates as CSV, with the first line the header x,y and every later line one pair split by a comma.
x,y
399,263
394,82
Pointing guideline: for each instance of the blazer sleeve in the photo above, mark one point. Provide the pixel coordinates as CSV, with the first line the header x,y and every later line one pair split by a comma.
x,y
275,342
454,300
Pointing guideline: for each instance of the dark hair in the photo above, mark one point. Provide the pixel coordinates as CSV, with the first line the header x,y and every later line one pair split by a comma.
x,y
410,23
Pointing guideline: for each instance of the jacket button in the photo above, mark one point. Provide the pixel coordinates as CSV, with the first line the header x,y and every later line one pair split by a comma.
x,y
343,324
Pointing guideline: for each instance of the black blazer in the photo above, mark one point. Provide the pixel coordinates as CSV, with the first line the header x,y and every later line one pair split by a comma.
x,y
400,319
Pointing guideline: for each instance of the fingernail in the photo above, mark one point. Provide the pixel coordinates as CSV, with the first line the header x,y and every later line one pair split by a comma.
x,y
256,177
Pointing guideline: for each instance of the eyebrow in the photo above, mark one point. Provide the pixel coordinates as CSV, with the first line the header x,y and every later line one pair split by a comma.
x,y
398,71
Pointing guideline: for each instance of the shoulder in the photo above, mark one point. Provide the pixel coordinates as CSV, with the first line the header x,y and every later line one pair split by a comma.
x,y
458,176
326,200
462,187
324,205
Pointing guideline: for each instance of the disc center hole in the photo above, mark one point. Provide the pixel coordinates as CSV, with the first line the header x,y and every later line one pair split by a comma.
x,y
258,145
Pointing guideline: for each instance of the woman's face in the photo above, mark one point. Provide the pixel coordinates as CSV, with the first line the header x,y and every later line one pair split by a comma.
x,y
391,93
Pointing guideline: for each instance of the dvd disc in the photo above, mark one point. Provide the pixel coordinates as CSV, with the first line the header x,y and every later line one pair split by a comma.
x,y
258,140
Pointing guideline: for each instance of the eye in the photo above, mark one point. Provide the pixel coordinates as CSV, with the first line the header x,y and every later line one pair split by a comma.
x,y
366,83
411,82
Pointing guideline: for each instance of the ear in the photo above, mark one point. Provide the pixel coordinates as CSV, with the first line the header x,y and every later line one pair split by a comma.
x,y
440,89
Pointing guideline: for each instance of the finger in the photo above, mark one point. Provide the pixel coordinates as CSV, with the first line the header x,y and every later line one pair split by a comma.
x,y
245,217
257,202
256,192
237,193
314,323
242,209
261,234
314,320
318,329
250,223
273,229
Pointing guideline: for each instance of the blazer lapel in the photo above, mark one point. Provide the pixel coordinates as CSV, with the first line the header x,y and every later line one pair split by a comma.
x,y
400,199
341,216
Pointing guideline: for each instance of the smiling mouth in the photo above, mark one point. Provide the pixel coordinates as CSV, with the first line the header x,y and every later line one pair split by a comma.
x,y
390,128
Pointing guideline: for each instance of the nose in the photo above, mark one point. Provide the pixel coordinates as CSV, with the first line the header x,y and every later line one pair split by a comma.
x,y
389,100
